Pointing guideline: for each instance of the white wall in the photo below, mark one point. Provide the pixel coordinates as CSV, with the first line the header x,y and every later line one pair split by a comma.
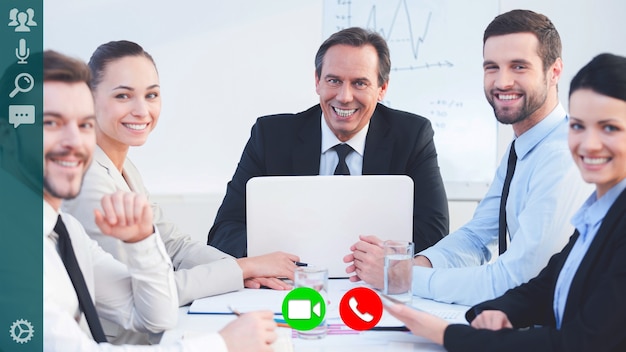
x,y
221,65
224,63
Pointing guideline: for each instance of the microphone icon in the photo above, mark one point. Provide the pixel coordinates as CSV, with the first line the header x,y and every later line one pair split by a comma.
x,y
22,52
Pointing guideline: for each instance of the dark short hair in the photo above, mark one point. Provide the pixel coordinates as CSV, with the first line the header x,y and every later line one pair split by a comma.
x,y
356,36
605,74
112,51
62,68
526,21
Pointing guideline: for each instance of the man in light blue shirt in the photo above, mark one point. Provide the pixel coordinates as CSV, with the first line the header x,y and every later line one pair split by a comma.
x,y
522,66
545,191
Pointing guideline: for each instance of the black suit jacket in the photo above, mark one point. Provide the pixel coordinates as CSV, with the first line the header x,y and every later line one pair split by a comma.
x,y
594,318
397,143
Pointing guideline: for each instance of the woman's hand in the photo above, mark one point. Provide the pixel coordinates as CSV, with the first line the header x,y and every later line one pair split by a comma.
x,y
266,269
126,216
420,323
492,320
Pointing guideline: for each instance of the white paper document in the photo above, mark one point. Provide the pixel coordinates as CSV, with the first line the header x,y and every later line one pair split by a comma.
x,y
247,300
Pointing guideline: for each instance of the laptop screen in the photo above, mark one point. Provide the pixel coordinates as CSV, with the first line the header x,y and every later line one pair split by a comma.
x,y
318,218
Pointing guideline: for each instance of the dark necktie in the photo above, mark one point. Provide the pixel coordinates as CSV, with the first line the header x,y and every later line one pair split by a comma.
x,y
505,194
66,252
342,151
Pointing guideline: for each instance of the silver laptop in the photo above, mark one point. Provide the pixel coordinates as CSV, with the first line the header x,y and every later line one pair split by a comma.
x,y
318,218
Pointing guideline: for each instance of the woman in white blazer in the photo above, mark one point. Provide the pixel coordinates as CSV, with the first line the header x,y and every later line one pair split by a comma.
x,y
126,90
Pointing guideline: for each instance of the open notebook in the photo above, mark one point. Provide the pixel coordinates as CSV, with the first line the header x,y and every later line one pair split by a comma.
x,y
318,218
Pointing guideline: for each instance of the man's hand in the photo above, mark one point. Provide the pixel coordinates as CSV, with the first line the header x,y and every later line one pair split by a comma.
x,y
253,331
368,261
126,216
492,320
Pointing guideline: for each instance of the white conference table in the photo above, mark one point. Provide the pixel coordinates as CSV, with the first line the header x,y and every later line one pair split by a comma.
x,y
365,341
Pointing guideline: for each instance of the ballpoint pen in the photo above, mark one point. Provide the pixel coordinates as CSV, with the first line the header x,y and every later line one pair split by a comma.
x,y
234,310
279,322
390,328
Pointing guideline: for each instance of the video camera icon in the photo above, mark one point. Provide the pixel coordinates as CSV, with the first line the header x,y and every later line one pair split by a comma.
x,y
304,308
301,309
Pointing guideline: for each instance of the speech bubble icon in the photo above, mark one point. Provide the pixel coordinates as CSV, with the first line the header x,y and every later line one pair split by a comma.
x,y
21,114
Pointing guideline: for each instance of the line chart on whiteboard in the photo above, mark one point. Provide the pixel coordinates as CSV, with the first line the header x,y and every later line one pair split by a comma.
x,y
436,72
402,28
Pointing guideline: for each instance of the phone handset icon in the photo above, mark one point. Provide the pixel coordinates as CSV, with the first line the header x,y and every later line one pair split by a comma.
x,y
366,317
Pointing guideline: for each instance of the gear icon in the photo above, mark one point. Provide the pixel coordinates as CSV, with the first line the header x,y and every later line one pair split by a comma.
x,y
21,331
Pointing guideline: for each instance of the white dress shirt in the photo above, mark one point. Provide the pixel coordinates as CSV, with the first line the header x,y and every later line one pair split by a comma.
x,y
141,296
546,190
329,157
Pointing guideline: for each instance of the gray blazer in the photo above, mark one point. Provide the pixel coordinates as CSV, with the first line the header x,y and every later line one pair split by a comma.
x,y
200,270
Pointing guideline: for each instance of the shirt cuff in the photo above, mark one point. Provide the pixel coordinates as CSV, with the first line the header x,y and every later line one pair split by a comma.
x,y
421,281
147,253
436,258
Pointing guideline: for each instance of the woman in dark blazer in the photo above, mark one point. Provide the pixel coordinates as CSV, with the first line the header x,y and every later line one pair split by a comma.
x,y
578,302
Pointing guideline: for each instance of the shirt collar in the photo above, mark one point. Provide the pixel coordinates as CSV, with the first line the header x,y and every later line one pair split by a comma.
x,y
529,139
593,210
329,139
49,218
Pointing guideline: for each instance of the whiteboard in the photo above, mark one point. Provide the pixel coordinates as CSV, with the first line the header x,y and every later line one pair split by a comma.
x,y
436,72
222,64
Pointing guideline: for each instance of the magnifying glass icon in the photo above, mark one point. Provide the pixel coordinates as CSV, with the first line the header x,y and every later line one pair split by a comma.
x,y
25,87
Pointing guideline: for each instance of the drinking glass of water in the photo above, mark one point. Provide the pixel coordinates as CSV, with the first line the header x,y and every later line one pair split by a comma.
x,y
317,279
398,270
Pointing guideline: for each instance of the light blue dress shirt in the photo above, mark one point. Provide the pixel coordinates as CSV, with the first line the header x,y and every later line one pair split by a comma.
x,y
587,221
546,190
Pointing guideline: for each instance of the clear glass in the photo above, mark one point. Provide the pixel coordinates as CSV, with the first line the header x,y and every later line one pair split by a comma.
x,y
398,271
317,279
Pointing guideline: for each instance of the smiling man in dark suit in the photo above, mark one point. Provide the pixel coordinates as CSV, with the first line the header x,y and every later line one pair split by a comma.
x,y
351,77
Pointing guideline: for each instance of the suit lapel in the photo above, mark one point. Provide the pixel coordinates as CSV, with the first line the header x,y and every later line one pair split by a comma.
x,y
596,253
132,178
378,146
103,161
307,149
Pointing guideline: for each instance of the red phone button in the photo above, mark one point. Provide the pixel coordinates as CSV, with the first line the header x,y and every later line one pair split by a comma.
x,y
361,308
